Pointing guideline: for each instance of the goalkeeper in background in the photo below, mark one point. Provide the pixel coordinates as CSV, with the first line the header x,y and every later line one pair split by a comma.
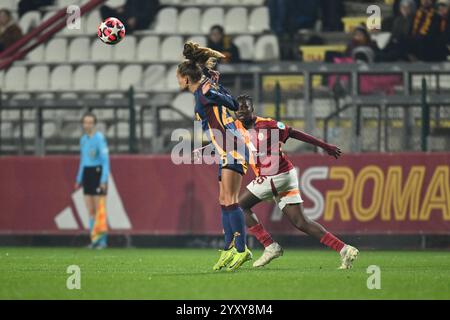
x,y
93,176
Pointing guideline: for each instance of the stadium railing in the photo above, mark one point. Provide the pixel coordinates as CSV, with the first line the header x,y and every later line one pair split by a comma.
x,y
152,133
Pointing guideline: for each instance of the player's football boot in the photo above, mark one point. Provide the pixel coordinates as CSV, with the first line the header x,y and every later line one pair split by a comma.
x,y
225,258
348,255
239,259
271,252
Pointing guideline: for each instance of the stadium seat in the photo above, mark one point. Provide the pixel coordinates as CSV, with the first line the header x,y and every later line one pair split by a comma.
x,y
126,50
148,49
115,3
267,48
253,2
317,53
29,20
189,21
38,78
246,44
166,21
211,17
236,20
29,131
37,55
131,75
259,20
350,23
171,79
9,4
84,78
15,79
61,78
108,78
66,3
171,49
49,130
2,78
201,40
154,78
185,103
122,128
7,129
92,22
56,50
101,52
79,49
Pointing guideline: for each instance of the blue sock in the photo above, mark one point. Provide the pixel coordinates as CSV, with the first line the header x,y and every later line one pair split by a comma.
x,y
227,229
91,224
236,217
103,240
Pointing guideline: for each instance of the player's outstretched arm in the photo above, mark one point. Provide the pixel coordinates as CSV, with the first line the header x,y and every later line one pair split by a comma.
x,y
220,96
332,150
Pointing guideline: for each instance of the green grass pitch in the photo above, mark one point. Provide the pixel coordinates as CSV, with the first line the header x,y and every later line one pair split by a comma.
x,y
40,273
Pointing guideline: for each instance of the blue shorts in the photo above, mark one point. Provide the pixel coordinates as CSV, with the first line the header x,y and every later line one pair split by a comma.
x,y
232,164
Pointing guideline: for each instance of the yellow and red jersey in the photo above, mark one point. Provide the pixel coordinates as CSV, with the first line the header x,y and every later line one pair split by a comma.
x,y
267,137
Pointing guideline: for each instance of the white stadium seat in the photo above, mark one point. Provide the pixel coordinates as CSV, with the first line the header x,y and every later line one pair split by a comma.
x,y
211,17
49,130
236,20
171,79
166,20
131,76
101,52
84,78
154,78
8,4
148,49
29,131
253,2
66,3
185,103
38,78
108,78
93,21
115,3
37,55
189,21
29,20
15,79
171,49
56,50
125,50
201,40
259,20
61,78
79,49
267,48
246,45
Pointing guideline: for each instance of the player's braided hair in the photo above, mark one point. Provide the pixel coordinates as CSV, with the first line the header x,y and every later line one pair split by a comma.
x,y
245,99
197,58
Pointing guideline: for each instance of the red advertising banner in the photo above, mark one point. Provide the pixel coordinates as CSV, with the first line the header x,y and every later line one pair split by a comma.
x,y
405,193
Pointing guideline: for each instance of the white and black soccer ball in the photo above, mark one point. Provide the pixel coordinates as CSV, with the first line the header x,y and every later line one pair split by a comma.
x,y
111,31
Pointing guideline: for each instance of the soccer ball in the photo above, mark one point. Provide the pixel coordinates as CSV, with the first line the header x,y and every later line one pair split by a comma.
x,y
111,31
